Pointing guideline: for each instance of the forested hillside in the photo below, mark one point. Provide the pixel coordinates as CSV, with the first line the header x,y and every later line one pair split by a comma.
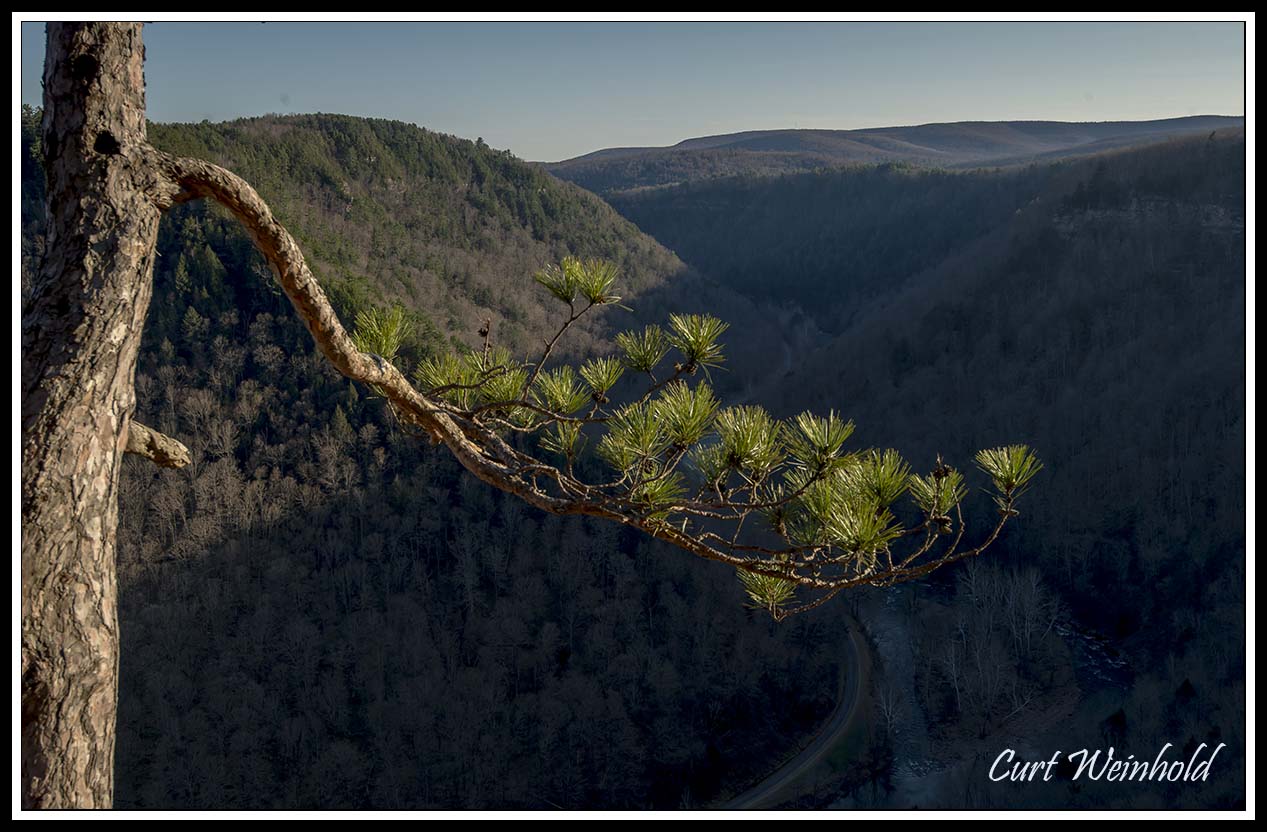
x,y
1107,317
388,212
824,240
1095,308
322,612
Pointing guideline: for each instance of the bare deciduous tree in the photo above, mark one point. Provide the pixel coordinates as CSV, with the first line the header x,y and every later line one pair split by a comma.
x,y
889,704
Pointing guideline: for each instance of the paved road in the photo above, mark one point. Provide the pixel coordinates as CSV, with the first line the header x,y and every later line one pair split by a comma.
x,y
847,696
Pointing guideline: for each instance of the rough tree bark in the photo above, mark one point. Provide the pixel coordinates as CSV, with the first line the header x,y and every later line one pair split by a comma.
x,y
80,335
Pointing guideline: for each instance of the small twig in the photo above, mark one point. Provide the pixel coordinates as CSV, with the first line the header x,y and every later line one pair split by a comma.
x,y
549,345
485,332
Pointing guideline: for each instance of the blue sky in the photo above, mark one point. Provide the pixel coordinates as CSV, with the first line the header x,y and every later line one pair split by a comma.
x,y
550,91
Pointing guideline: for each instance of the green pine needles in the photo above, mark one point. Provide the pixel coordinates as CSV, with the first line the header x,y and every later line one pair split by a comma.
x,y
591,280
783,501
381,332
643,351
1011,468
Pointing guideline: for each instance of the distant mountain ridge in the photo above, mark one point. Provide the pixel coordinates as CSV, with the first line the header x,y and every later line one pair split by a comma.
x,y
950,145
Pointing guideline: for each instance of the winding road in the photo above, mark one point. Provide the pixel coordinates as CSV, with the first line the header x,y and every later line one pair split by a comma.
x,y
847,698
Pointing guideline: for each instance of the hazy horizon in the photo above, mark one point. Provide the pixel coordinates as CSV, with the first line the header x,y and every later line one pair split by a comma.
x,y
553,91
774,129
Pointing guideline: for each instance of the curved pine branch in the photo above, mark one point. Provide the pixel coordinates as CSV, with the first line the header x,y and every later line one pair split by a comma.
x,y
475,445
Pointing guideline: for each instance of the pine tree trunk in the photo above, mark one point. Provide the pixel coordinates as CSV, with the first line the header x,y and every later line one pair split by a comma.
x,y
80,335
